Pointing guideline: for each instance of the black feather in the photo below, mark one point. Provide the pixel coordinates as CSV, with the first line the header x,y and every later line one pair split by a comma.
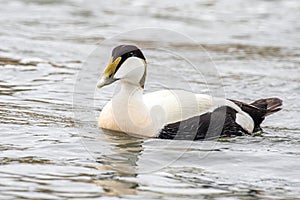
x,y
218,123
259,109
126,51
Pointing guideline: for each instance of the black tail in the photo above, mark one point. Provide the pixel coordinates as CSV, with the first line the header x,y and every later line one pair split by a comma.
x,y
259,109
271,105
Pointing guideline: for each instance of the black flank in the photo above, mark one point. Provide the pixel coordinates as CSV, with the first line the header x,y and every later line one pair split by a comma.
x,y
211,125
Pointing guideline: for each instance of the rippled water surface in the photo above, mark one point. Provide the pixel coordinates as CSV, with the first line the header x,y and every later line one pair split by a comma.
x,y
52,149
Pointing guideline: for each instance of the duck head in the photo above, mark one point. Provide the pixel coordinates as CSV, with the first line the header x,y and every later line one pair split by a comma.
x,y
128,64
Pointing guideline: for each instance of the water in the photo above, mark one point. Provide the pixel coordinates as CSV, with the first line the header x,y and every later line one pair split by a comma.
x,y
48,151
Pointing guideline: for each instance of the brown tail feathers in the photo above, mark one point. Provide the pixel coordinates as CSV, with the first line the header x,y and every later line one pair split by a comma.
x,y
271,105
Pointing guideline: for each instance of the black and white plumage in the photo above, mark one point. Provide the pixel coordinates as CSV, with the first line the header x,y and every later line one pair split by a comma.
x,y
172,114
221,122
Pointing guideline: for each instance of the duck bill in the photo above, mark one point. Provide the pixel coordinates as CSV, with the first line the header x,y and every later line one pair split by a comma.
x,y
105,81
107,77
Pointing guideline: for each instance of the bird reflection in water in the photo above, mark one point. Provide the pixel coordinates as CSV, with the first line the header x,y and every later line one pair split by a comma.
x,y
120,160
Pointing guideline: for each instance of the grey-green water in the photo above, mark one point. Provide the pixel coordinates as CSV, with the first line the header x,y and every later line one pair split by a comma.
x,y
50,151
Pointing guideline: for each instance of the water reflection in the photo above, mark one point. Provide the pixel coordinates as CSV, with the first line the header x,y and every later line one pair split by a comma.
x,y
117,155
117,187
125,152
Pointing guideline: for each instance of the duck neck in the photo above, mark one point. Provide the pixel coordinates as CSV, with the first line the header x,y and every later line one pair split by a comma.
x,y
130,91
130,111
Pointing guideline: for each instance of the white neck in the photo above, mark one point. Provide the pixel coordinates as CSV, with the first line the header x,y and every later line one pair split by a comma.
x,y
130,112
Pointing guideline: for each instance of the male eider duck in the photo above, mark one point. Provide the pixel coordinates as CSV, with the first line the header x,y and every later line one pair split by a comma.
x,y
172,114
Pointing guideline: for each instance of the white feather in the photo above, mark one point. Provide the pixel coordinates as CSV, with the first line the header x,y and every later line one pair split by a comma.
x,y
132,112
132,70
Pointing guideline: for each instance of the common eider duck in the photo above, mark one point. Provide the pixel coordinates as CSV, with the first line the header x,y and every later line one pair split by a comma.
x,y
172,114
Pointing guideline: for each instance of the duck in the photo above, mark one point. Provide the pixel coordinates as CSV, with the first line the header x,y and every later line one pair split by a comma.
x,y
172,114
